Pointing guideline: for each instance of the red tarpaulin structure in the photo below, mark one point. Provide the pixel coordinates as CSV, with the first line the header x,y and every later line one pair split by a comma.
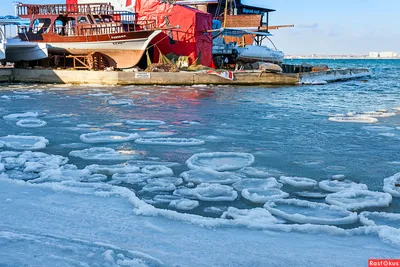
x,y
190,39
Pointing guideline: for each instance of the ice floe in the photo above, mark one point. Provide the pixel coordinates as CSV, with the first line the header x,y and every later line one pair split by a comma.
x,y
256,183
302,211
336,186
262,195
31,123
103,153
108,137
174,180
142,163
170,141
20,175
380,219
220,161
377,114
112,169
208,192
311,194
391,185
156,134
165,199
254,172
157,171
159,187
144,122
19,116
354,199
184,204
120,102
209,176
355,119
338,177
129,178
22,142
299,182
254,217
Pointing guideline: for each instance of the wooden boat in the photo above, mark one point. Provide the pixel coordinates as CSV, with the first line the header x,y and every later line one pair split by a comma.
x,y
88,29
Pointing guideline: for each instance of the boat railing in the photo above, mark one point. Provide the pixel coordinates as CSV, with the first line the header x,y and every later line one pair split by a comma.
x,y
90,29
27,11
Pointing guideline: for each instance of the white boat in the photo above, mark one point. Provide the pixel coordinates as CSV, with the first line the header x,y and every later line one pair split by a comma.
x,y
2,51
233,53
256,53
17,50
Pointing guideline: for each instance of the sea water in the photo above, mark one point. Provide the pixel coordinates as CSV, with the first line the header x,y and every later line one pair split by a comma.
x,y
182,148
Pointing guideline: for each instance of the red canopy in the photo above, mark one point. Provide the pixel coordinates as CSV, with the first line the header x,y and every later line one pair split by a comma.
x,y
189,39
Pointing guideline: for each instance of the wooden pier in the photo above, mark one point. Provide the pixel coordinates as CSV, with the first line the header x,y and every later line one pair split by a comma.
x,y
175,78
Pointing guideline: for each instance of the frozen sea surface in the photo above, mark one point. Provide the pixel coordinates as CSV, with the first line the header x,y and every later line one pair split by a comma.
x,y
131,204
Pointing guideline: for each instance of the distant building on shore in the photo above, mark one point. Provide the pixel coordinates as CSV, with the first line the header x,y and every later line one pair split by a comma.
x,y
382,54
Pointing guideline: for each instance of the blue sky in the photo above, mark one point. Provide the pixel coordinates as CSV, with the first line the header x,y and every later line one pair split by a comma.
x,y
321,26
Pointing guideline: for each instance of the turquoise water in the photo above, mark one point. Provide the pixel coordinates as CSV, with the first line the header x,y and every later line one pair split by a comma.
x,y
285,128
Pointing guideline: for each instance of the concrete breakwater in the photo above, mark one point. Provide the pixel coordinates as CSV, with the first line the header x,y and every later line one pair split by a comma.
x,y
175,78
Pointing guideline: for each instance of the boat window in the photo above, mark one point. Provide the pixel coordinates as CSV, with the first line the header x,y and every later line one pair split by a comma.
x,y
82,20
41,25
65,26
97,19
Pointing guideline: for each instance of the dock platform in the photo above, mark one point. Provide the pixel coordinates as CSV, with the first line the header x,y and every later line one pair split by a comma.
x,y
175,78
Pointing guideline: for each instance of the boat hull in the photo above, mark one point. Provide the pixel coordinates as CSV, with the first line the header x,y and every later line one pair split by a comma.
x,y
2,51
17,51
253,53
122,50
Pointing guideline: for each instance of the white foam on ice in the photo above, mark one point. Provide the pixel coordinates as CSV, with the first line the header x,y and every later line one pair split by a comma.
x,y
354,199
302,211
205,175
184,204
356,119
250,217
299,182
18,116
208,192
391,185
112,169
220,161
144,122
22,142
103,153
31,123
336,186
157,171
108,137
170,141
256,183
380,219
262,195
